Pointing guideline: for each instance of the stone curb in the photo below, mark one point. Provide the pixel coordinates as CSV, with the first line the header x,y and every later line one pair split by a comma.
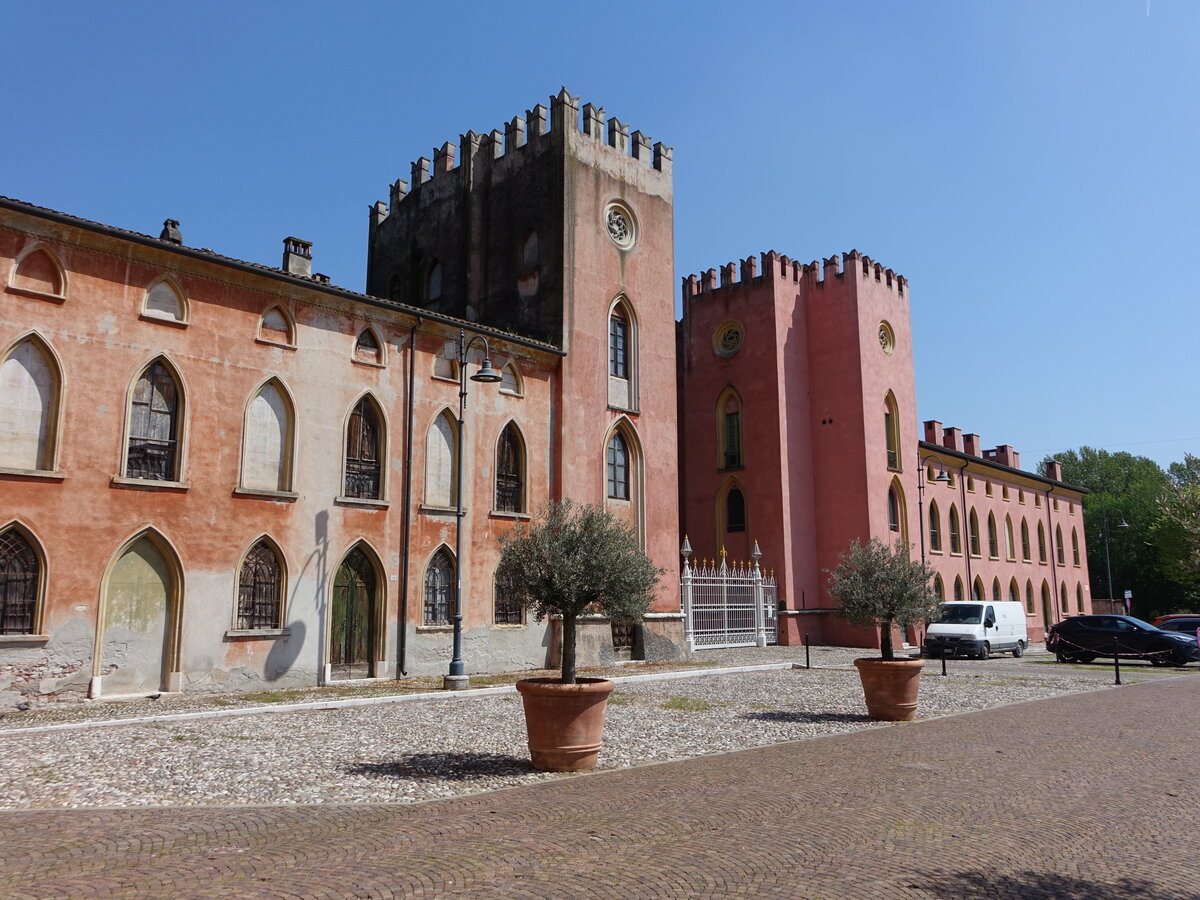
x,y
312,705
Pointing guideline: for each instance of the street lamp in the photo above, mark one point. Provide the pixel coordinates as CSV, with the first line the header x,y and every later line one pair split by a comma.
x,y
457,680
1107,561
941,478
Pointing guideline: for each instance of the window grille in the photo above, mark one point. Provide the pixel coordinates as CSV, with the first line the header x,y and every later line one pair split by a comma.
x,y
618,340
18,584
439,589
618,468
509,466
362,452
260,589
733,439
735,511
507,611
153,427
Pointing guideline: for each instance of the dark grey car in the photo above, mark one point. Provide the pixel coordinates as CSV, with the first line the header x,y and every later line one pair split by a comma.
x,y
1083,638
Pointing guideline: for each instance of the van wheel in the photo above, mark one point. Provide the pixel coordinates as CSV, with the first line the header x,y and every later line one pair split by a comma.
x,y
1019,650
985,651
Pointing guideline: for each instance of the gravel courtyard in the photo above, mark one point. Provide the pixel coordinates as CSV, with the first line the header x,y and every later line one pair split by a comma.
x,y
445,746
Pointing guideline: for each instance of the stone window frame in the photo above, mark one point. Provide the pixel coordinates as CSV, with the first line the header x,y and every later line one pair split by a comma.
x,y
48,464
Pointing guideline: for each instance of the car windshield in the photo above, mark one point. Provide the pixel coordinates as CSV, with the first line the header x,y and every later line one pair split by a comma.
x,y
961,614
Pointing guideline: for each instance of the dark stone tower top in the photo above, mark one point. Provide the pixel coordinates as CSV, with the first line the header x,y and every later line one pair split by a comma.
x,y
483,230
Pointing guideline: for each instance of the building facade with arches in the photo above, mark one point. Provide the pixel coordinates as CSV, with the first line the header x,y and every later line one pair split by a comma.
x,y
219,475
798,433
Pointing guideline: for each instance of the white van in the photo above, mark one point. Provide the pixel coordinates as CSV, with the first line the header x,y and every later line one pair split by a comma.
x,y
977,629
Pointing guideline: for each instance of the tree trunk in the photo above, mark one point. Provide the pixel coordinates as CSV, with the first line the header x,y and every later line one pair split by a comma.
x,y
885,640
568,649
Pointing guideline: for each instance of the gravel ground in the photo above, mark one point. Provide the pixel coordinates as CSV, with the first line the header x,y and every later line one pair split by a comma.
x,y
435,748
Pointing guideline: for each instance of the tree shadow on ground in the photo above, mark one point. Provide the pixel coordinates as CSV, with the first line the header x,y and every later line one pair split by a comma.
x,y
444,766
780,715
1044,886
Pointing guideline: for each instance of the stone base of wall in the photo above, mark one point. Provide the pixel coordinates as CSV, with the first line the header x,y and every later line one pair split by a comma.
x,y
38,682
657,639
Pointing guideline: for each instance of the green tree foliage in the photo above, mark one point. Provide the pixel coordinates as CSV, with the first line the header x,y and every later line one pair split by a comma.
x,y
1145,556
577,559
878,585
1180,532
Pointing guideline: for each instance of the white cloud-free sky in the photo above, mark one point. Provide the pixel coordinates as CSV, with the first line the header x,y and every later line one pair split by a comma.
x,y
1031,166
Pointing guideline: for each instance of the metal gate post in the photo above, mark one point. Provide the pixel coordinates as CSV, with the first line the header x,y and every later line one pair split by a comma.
x,y
689,631
760,603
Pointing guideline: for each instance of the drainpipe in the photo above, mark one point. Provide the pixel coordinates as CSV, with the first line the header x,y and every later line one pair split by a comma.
x,y
965,524
406,527
1056,598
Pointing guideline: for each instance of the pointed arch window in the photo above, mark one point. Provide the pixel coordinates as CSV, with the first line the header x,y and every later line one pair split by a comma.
x,y
155,423
441,446
958,589
735,511
260,589
1010,552
1047,600
1029,607
1014,591
729,425
39,274
995,590
618,467
1062,597
893,510
955,536
20,583
1041,544
30,387
1079,598
364,452
1025,553
977,590
935,528
973,526
622,356
993,539
439,589
891,430
368,348
275,327
1075,546
268,440
510,380
939,588
1059,550
165,301
510,470
505,610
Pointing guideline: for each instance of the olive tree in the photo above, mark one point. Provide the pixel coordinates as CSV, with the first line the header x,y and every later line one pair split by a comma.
x,y
877,585
572,560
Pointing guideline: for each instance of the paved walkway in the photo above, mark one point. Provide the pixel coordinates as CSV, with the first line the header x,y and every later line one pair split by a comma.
x,y
1088,796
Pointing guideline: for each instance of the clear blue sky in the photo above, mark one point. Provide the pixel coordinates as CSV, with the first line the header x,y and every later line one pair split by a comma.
x,y
1031,167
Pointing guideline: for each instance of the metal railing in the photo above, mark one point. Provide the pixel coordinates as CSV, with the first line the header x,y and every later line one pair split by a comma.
x,y
728,605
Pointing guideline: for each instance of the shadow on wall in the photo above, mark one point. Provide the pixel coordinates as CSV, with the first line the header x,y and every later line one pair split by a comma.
x,y
1043,886
285,652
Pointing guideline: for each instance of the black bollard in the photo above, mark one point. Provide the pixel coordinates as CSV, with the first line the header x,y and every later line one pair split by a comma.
x,y
807,661
1117,660
943,656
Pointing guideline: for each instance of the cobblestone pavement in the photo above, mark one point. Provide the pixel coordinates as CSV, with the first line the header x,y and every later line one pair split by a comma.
x,y
1083,796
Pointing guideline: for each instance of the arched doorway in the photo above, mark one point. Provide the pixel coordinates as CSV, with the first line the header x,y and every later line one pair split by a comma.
x,y
140,614
352,624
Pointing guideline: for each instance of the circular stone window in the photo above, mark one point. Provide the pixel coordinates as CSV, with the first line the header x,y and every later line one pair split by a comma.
x,y
620,224
887,338
727,340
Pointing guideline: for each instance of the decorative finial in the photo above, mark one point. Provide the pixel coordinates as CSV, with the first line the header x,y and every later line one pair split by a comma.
x,y
686,550
756,554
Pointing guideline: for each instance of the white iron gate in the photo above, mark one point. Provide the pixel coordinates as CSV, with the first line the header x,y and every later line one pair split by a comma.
x,y
728,605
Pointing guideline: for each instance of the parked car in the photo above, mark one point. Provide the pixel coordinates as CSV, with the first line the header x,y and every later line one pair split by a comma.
x,y
1187,623
977,629
1083,638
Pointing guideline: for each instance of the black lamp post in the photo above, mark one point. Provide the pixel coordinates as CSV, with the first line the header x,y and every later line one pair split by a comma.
x,y
457,680
1107,562
940,478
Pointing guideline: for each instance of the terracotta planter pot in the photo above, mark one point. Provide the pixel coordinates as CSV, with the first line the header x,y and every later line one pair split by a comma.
x,y
564,721
891,687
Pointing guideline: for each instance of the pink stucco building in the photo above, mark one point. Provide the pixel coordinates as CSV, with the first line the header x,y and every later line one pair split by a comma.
x,y
798,431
